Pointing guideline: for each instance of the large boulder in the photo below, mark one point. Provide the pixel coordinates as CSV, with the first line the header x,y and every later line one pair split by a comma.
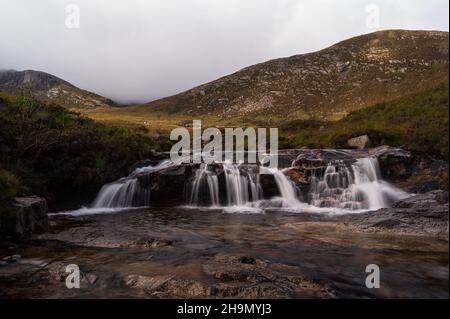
x,y
166,185
415,173
423,214
394,162
360,142
27,216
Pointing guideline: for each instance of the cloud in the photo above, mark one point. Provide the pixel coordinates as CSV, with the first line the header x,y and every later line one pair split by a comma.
x,y
139,50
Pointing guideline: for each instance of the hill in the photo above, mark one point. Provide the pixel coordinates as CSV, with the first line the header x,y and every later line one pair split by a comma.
x,y
49,88
328,84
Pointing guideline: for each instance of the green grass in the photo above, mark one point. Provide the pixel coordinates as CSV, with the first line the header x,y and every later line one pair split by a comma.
x,y
418,122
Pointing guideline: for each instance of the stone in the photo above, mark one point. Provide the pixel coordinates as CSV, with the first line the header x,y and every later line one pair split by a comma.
x,y
231,276
423,214
297,176
27,216
394,162
152,243
360,142
343,66
11,259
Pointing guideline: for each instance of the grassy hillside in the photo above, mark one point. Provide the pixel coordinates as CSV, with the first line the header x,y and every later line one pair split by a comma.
x,y
328,84
49,151
418,122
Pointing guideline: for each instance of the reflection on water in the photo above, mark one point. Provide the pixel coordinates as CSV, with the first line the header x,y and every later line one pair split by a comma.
x,y
313,246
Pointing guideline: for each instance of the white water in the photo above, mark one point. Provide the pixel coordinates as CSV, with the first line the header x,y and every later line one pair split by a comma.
x,y
212,181
339,188
241,189
355,187
289,197
128,192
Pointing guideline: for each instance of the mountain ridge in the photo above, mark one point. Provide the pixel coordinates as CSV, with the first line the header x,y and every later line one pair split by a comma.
x,y
350,75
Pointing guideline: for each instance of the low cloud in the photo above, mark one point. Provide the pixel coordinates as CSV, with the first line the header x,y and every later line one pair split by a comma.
x,y
136,51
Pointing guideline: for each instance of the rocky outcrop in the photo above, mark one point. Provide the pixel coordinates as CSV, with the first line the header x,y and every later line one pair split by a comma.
x,y
234,276
27,216
360,142
393,161
423,214
414,173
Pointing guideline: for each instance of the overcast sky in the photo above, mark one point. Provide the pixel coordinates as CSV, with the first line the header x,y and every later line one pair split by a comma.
x,y
139,50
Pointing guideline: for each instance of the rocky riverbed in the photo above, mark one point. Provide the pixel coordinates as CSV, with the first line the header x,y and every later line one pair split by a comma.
x,y
203,253
308,231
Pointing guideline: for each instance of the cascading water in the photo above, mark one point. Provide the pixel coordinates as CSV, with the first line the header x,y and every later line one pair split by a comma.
x,y
127,192
343,185
354,186
204,176
241,187
119,195
286,187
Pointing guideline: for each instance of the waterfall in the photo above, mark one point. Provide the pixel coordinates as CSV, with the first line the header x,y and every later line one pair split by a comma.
x,y
127,192
355,186
343,185
241,187
205,176
285,187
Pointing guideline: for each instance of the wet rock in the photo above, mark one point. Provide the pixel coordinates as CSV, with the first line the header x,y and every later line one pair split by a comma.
x,y
166,185
166,286
56,271
411,172
269,186
421,175
394,162
360,142
424,201
155,158
11,259
249,277
27,216
423,214
232,277
152,243
296,175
